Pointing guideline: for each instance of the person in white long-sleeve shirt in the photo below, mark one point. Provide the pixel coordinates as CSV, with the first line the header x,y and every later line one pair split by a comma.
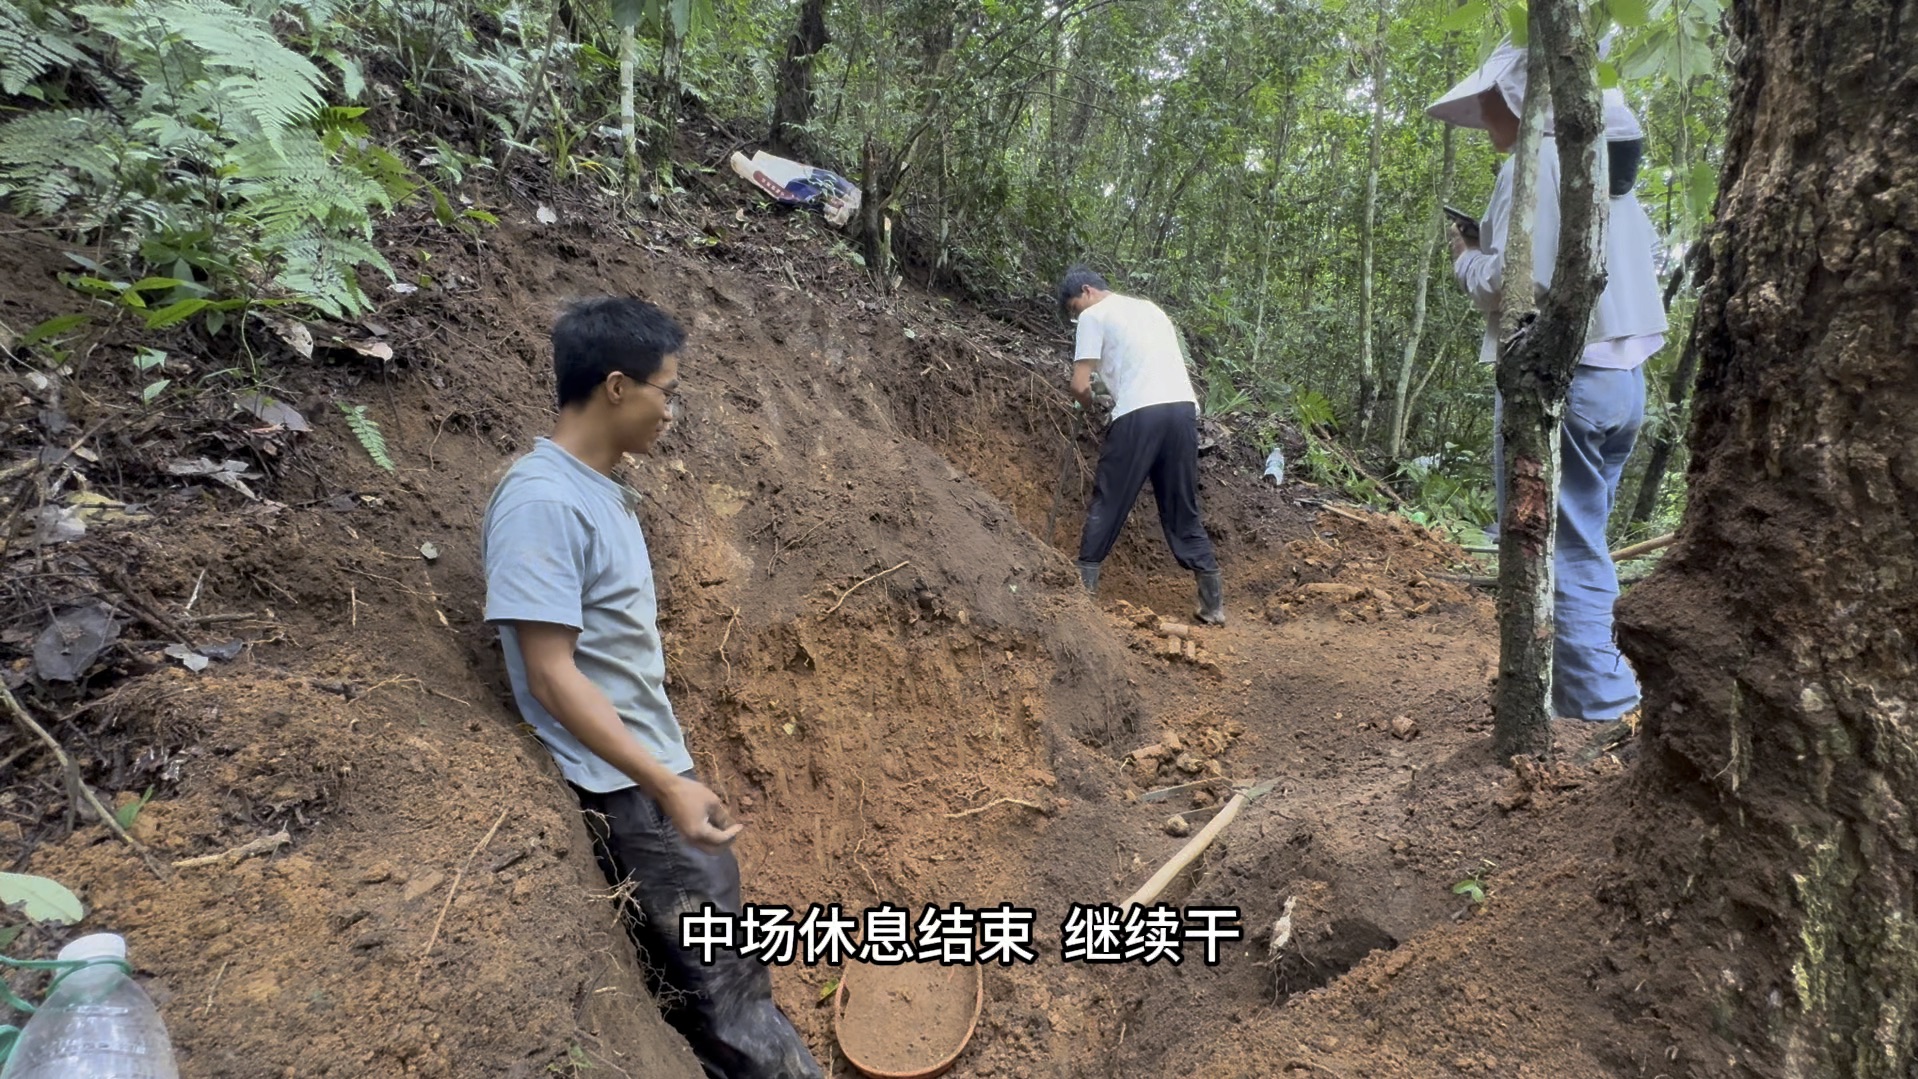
x,y
1591,679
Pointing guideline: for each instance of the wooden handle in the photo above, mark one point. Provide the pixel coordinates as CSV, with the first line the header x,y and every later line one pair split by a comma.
x,y
1194,847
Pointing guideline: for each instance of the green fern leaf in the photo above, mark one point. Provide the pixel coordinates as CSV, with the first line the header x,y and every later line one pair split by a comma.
x,y
48,159
368,432
30,47
232,55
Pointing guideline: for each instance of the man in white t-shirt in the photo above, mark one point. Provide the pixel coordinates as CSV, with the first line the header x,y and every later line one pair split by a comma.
x,y
1153,433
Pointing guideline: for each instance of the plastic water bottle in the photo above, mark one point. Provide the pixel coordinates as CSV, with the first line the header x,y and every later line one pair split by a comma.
x,y
98,1024
1275,465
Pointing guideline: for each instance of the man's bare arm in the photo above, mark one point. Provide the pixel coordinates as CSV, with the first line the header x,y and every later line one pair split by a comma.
x,y
1082,382
571,698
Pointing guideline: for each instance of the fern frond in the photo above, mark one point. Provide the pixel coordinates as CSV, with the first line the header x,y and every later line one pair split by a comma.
x,y
29,48
297,184
49,159
259,80
323,271
368,432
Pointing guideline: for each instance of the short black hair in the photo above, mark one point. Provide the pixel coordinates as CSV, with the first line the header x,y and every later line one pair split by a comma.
x,y
1076,281
593,338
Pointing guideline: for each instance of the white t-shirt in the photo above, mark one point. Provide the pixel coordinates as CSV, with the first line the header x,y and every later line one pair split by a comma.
x,y
1135,349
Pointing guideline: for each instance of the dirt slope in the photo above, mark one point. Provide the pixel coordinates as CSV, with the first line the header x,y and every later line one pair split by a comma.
x,y
830,440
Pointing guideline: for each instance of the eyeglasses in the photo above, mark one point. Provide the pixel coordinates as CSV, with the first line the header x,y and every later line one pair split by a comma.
x,y
665,392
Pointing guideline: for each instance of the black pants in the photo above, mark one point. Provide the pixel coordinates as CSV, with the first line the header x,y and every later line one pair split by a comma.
x,y
1160,443
726,1010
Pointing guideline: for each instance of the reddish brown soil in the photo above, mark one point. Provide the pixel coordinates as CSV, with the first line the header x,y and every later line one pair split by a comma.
x,y
829,436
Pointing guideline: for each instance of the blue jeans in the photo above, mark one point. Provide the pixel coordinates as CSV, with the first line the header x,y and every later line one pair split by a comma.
x,y
1590,677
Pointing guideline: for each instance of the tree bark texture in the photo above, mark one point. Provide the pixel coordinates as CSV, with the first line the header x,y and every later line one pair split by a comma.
x,y
793,91
1775,837
1535,373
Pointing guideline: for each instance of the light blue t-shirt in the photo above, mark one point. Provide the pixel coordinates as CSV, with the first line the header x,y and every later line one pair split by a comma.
x,y
562,544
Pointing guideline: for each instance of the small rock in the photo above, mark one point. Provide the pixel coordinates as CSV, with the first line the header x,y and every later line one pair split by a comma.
x,y
1173,742
1169,647
1404,728
1175,629
1191,649
381,871
422,886
1202,798
1176,825
1144,618
1189,764
1149,756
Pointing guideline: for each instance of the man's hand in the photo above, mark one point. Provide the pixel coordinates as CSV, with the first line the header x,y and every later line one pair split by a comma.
x,y
1460,244
698,813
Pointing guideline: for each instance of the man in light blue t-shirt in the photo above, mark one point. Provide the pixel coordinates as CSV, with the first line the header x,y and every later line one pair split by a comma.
x,y
569,584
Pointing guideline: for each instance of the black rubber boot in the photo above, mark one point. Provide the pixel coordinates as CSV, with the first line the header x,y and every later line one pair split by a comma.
x,y
1089,575
1211,598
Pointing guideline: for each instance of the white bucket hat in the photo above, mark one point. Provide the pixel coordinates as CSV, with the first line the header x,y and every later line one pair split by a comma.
x,y
1504,71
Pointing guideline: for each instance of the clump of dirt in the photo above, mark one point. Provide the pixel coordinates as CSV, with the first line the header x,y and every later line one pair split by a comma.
x,y
1363,570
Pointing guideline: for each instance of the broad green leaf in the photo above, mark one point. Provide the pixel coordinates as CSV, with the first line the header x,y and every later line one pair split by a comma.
x,y
53,327
155,284
1629,13
152,390
126,814
1701,189
43,900
1465,17
175,313
1648,56
146,359
1516,17
1607,75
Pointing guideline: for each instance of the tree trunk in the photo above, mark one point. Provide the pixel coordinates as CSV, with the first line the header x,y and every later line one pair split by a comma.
x,y
659,152
1535,369
1368,368
1660,459
1401,399
628,134
792,92
1775,837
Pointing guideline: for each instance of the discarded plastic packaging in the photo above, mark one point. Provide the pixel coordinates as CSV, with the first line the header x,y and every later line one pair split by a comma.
x,y
800,185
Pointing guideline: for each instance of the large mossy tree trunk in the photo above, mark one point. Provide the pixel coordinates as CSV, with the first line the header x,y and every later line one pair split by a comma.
x,y
1775,837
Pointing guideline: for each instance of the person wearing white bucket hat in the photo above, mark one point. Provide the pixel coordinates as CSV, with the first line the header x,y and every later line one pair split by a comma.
x,y
1591,679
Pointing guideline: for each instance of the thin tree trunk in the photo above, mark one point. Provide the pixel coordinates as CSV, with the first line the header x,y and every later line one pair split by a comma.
x,y
1368,367
1401,400
1535,369
1774,835
1660,459
628,128
659,152
793,92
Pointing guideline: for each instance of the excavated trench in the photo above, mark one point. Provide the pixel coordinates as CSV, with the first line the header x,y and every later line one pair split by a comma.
x,y
879,661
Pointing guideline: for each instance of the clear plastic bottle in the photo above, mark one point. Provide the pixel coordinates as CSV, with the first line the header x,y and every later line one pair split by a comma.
x,y
98,1024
